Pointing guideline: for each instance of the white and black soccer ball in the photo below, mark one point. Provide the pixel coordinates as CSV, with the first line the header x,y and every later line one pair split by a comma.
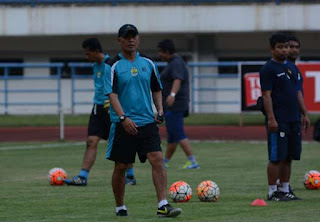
x,y
208,191
180,191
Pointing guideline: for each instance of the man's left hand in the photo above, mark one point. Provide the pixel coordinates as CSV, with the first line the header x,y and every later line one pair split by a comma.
x,y
305,123
170,100
159,118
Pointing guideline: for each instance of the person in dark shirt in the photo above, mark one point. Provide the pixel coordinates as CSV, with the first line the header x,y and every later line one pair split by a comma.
x,y
294,49
293,54
283,102
175,80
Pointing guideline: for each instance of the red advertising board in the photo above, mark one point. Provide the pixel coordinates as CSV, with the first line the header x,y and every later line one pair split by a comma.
x,y
252,88
311,85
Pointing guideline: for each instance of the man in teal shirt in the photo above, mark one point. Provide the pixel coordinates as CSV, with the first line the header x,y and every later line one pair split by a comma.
x,y
99,123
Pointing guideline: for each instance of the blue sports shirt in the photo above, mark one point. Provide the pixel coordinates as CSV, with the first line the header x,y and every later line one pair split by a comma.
x,y
284,80
133,83
100,79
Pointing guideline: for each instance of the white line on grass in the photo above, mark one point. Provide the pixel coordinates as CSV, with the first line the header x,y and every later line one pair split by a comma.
x,y
53,145
242,141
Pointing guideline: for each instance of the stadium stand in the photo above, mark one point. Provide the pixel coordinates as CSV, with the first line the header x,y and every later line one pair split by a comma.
x,y
34,3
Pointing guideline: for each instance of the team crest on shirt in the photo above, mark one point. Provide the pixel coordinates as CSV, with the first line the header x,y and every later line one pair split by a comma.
x,y
98,74
287,76
282,134
290,73
134,71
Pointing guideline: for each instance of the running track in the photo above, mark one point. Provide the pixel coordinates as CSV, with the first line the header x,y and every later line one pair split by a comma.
x,y
16,134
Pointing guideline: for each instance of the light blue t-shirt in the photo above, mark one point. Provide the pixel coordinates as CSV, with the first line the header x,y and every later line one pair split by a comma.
x,y
100,79
133,83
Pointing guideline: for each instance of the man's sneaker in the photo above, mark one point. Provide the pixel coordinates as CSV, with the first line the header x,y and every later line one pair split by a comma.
x,y
191,165
131,181
280,185
278,196
292,196
122,213
168,211
290,189
76,181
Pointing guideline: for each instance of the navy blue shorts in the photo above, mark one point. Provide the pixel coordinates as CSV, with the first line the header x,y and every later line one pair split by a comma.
x,y
122,147
174,126
286,143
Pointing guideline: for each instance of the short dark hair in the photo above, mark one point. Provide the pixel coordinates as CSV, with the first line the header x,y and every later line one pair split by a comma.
x,y
277,38
293,38
93,44
167,45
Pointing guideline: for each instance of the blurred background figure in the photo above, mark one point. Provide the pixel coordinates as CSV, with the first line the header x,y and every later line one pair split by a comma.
x,y
175,80
294,48
99,122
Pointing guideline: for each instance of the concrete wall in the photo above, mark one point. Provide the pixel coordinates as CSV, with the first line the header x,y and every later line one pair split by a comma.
x,y
105,19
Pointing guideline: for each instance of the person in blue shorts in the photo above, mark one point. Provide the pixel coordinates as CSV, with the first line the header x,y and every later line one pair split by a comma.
x,y
99,122
132,85
283,102
293,54
175,80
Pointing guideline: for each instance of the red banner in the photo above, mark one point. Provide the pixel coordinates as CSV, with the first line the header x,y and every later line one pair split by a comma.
x,y
311,85
252,88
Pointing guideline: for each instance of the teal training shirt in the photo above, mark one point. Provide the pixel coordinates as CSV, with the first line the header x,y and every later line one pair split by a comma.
x,y
100,79
133,83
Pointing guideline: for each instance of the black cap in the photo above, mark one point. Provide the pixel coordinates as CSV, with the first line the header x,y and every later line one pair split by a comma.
x,y
125,29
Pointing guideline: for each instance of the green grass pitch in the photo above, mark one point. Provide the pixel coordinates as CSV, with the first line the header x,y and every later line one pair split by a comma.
x,y
239,169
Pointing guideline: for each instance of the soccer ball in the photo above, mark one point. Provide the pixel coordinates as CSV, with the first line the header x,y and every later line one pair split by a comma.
x,y
56,176
312,180
208,191
180,191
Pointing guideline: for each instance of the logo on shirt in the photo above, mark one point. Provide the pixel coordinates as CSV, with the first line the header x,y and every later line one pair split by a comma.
x,y
280,74
289,71
299,76
144,69
282,134
98,74
134,71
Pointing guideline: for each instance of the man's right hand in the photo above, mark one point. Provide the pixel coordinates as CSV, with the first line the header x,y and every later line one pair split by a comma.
x,y
272,126
129,126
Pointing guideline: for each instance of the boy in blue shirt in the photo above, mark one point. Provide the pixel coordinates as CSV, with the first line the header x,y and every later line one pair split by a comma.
x,y
281,86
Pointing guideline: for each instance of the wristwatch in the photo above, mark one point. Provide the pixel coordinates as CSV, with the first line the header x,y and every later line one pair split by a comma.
x,y
172,94
122,118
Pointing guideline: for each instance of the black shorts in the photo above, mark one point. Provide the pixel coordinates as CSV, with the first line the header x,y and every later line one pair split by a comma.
x,y
99,122
123,147
286,143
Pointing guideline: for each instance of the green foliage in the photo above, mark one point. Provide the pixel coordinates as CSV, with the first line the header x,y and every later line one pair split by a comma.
x,y
239,169
82,120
